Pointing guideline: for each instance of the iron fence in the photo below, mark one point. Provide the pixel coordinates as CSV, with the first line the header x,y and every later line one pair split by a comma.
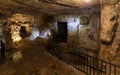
x,y
89,64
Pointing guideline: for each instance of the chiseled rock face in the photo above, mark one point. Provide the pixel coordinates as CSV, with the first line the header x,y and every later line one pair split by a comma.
x,y
21,18
109,1
1,31
8,38
12,29
42,7
16,57
83,30
110,31
14,24
108,23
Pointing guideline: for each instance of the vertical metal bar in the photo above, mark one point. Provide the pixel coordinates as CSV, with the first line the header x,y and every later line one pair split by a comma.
x,y
68,59
71,60
101,67
87,64
75,60
84,63
110,69
90,66
62,56
97,66
80,66
94,65
105,69
81,62
114,69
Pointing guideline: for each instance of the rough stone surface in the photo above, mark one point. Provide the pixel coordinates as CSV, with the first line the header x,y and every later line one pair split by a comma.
x,y
110,31
43,7
108,23
36,61
84,34
1,31
19,21
8,37
17,56
81,35
21,26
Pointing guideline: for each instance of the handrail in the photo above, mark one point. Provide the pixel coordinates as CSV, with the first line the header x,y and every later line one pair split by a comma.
x,y
89,64
95,65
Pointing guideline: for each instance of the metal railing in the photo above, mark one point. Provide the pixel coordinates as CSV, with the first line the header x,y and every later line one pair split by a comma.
x,y
89,64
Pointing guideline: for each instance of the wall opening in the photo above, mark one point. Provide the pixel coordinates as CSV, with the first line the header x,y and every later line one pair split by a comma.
x,y
23,32
62,32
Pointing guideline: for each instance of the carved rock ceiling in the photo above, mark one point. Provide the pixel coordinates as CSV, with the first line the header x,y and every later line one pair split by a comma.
x,y
45,7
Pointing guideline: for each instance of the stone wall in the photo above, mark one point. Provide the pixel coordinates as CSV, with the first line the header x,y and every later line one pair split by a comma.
x,y
2,28
16,22
110,30
83,30
1,31
20,27
8,37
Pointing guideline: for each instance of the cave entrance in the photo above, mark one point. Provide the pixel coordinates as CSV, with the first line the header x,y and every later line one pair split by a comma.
x,y
62,32
23,32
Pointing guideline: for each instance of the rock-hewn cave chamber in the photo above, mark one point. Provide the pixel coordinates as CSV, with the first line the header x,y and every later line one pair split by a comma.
x,y
59,37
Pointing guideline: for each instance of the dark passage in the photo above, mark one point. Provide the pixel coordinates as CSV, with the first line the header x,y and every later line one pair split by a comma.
x,y
2,52
62,32
23,32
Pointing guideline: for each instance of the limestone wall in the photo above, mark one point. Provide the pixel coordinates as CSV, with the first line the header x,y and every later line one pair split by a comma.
x,y
83,29
2,31
110,30
16,21
20,27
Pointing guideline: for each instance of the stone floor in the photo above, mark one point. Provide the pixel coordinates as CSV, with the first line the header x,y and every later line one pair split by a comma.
x,y
35,61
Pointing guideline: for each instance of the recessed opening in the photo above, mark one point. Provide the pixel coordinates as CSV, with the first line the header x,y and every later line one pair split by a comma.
x,y
62,32
23,32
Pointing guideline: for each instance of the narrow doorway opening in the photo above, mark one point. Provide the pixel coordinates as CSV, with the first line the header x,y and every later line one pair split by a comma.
x,y
23,32
62,32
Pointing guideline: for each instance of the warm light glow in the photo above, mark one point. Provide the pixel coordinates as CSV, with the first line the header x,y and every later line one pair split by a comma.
x,y
16,39
15,34
87,0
